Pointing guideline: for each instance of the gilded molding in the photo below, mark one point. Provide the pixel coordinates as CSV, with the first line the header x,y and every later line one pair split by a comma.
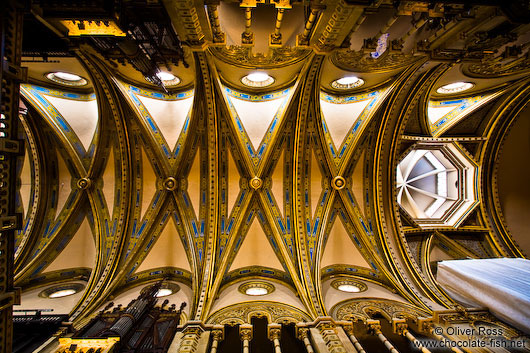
x,y
242,56
239,314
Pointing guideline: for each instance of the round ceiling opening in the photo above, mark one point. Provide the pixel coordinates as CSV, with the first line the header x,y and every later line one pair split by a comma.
x,y
348,286
347,82
257,79
256,288
167,78
164,292
61,291
455,87
66,78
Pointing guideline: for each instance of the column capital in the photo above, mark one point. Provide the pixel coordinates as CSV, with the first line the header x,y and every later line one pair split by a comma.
x,y
218,332
374,326
274,331
399,326
245,332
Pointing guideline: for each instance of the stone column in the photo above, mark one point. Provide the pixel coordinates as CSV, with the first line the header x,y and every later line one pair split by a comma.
x,y
348,328
302,333
218,334
274,332
400,327
374,327
245,333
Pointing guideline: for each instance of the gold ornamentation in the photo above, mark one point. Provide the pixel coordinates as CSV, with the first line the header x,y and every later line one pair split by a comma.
x,y
239,314
348,282
170,183
84,183
374,326
338,183
358,61
245,332
244,57
274,331
255,183
330,336
363,309
491,68
266,286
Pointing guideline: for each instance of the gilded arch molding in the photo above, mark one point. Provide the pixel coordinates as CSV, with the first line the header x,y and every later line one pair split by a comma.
x,y
238,314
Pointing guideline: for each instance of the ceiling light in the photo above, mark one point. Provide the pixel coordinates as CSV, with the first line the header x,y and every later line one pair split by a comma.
x,y
62,293
257,79
62,290
256,291
164,289
348,285
350,288
347,82
256,288
66,78
167,78
455,87
162,292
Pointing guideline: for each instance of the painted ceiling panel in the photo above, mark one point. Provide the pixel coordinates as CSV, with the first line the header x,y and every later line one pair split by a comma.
x,y
80,251
64,180
194,183
257,116
277,182
316,183
340,117
169,115
25,182
438,254
233,182
148,184
340,249
358,182
109,178
256,250
81,115
444,114
168,251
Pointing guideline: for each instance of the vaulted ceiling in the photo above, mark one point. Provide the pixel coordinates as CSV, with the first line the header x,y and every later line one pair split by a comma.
x,y
126,181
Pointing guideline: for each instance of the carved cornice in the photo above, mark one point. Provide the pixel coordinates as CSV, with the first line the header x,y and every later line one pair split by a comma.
x,y
243,57
363,309
359,61
239,314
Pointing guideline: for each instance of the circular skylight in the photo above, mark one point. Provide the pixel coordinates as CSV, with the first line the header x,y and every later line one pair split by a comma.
x,y
256,291
165,289
66,78
168,79
257,79
347,82
163,292
256,288
455,87
61,291
348,286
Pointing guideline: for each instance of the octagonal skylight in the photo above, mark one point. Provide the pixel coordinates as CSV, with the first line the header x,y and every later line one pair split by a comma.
x,y
436,185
